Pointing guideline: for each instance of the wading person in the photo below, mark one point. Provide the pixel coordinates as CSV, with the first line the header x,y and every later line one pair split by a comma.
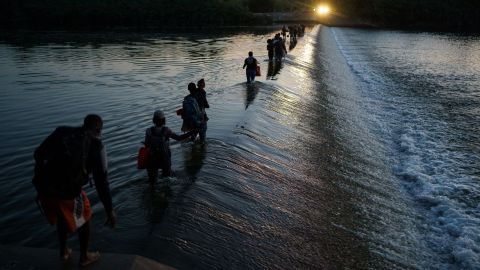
x,y
284,32
191,114
280,49
201,97
270,49
63,162
157,140
251,64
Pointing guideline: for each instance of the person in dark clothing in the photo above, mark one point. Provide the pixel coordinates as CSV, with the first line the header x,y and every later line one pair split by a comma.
x,y
290,30
201,97
284,32
157,140
61,197
251,64
270,49
191,114
280,49
295,31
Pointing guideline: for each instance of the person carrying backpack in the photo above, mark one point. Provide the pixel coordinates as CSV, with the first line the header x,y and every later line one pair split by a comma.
x,y
63,163
280,49
251,64
192,115
201,97
157,140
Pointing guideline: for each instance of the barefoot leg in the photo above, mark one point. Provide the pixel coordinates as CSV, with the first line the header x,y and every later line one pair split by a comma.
x,y
84,237
62,237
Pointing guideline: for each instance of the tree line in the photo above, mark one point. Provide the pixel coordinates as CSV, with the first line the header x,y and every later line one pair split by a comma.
x,y
405,14
457,15
119,13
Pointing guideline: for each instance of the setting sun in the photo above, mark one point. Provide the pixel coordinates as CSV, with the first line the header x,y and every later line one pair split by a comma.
x,y
323,10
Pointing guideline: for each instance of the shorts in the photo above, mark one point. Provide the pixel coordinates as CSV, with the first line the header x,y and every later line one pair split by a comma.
x,y
75,212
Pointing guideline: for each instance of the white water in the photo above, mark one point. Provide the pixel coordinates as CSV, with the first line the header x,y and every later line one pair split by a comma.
x,y
422,93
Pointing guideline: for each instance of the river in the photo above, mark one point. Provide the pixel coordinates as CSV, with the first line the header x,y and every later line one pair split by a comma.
x,y
360,151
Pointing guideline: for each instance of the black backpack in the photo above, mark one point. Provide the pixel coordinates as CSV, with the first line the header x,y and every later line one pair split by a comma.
x,y
191,111
159,148
61,168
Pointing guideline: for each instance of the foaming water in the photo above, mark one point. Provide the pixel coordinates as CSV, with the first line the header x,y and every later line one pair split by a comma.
x,y
422,95
358,151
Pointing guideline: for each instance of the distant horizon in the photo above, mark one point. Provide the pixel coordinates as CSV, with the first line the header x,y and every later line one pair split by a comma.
x,y
457,16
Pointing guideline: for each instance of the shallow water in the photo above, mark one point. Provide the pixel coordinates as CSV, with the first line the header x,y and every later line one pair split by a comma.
x,y
359,151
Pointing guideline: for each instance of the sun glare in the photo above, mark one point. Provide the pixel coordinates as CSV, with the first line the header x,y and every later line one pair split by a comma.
x,y
322,10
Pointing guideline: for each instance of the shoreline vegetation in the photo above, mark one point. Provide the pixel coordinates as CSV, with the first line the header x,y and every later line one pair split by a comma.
x,y
429,15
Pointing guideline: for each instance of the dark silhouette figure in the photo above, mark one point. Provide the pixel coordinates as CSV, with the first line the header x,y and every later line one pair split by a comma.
x,y
251,64
63,163
270,49
157,140
293,43
273,69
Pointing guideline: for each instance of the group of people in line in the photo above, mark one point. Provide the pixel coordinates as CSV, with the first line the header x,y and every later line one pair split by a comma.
x,y
67,158
294,30
194,123
276,46
276,49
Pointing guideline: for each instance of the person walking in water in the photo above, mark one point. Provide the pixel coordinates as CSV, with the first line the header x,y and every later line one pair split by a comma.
x,y
157,140
191,114
270,49
63,162
280,49
201,97
284,32
251,64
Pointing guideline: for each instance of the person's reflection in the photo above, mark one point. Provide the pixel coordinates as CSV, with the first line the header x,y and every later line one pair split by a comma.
x,y
273,69
155,201
252,91
193,159
293,43
271,64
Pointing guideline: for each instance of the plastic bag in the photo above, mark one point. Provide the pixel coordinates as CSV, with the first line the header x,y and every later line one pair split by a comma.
x,y
142,158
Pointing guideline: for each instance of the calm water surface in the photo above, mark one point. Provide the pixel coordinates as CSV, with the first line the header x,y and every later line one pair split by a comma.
x,y
360,151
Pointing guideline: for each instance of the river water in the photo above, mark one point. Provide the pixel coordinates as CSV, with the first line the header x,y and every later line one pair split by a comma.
x,y
360,151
